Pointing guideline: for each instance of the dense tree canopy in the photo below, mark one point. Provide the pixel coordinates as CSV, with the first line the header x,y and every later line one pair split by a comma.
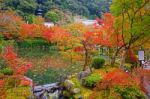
x,y
22,7
105,50
88,8
131,22
52,16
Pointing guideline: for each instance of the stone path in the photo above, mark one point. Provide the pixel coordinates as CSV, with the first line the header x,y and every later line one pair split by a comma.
x,y
147,65
146,81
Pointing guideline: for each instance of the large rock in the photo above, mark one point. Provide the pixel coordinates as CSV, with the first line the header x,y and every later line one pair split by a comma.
x,y
50,89
84,74
39,94
37,89
54,95
76,90
78,96
69,84
62,78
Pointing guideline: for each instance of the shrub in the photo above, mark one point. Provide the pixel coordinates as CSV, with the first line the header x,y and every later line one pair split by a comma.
x,y
98,62
120,85
130,92
117,78
7,71
91,80
19,93
1,75
76,82
105,94
11,82
2,90
67,94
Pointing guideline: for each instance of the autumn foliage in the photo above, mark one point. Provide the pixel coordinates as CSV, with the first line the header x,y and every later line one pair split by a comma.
x,y
10,24
105,29
117,78
1,83
132,55
27,30
18,66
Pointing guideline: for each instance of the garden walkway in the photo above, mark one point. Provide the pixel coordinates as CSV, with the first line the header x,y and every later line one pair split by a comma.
x,y
146,79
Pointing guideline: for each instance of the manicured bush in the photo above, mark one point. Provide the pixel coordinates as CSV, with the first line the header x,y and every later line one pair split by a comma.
x,y
91,80
34,43
98,62
7,71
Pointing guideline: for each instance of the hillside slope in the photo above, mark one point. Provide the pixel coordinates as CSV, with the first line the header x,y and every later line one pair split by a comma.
x,y
88,8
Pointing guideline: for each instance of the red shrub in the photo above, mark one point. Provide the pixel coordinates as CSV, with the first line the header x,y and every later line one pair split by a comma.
x,y
144,76
117,77
47,34
143,72
1,83
25,82
27,30
21,70
16,64
9,53
78,49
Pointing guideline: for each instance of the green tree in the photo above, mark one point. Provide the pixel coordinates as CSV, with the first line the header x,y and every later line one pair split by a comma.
x,y
1,4
52,16
10,24
88,8
29,18
22,7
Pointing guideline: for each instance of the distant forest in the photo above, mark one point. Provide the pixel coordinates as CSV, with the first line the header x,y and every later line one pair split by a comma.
x,y
87,8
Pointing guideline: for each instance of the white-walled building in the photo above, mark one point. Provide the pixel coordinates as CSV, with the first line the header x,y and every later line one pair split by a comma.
x,y
86,21
49,24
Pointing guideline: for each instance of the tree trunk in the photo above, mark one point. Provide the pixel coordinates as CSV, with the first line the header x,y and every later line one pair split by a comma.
x,y
71,59
113,60
86,56
85,61
114,57
123,57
